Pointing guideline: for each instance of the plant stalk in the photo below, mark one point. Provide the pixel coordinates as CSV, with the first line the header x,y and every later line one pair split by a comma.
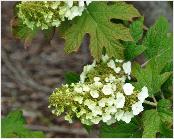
x,y
150,103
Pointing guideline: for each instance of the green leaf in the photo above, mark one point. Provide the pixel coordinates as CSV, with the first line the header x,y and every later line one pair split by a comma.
x,y
165,111
21,31
133,49
13,126
95,20
151,74
136,29
151,123
157,38
71,77
167,87
165,131
149,77
159,120
121,130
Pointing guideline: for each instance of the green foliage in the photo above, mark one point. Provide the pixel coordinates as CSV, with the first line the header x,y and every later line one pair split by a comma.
x,y
151,123
134,49
12,126
107,26
71,77
151,75
121,130
165,111
158,120
95,20
136,29
157,39
165,131
21,31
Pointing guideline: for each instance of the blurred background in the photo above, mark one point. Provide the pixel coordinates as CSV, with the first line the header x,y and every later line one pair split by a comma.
x,y
29,76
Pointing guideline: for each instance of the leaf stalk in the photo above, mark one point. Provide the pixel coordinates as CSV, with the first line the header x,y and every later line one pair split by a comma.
x,y
150,103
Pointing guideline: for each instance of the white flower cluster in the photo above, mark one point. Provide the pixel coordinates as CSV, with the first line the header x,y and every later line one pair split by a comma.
x,y
101,95
47,14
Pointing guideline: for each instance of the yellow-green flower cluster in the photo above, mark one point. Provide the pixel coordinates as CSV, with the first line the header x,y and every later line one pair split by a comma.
x,y
102,94
43,14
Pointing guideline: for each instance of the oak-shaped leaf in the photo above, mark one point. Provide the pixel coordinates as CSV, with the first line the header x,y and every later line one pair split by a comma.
x,y
13,126
96,21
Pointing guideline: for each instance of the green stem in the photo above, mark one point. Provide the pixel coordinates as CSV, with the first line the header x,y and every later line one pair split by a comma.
x,y
162,95
150,103
154,99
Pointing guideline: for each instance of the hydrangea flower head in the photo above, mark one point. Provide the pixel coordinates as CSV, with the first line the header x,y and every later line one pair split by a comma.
x,y
45,14
102,94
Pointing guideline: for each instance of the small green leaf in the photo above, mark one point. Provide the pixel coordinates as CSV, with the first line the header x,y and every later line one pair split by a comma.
x,y
95,20
165,131
133,49
165,110
121,130
13,127
71,77
151,74
156,39
151,123
136,29
149,77
159,120
21,31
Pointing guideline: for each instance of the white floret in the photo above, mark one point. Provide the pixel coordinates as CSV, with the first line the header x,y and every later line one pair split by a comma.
x,y
117,70
107,89
97,111
90,104
111,64
89,115
81,3
86,88
128,88
143,94
94,93
98,84
96,79
111,121
111,78
105,58
120,100
118,60
106,117
69,3
137,108
111,109
127,67
82,77
102,102
78,99
78,89
119,114
127,116
88,2
110,101
114,87
96,120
